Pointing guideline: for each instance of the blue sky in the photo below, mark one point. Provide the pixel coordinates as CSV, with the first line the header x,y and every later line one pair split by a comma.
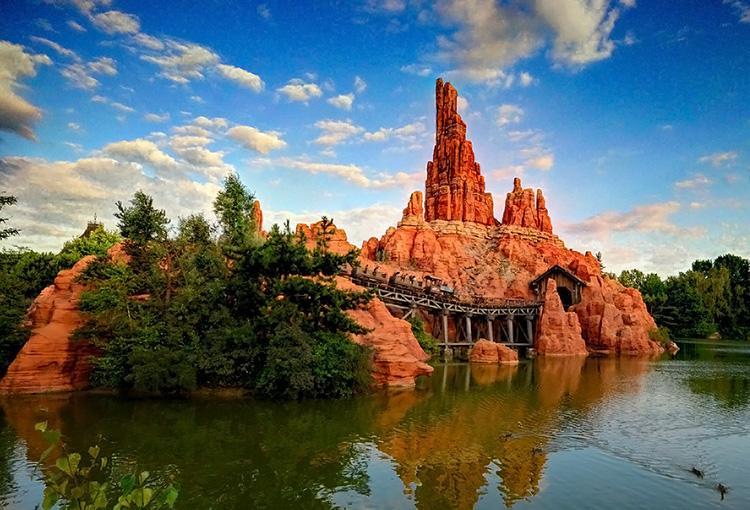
x,y
633,116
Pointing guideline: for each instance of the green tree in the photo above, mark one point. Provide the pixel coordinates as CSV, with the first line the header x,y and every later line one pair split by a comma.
x,y
233,207
141,222
6,200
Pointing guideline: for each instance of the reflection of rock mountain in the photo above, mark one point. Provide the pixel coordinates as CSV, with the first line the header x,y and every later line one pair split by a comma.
x,y
447,444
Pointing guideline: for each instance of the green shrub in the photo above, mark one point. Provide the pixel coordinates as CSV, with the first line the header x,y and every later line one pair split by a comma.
x,y
426,340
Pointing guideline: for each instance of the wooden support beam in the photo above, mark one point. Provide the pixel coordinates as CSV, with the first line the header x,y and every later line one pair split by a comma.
x,y
468,329
529,330
445,327
490,329
509,322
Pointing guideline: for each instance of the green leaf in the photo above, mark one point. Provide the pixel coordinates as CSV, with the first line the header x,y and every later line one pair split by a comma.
x,y
51,436
143,477
103,462
94,451
63,464
74,459
41,426
127,483
46,452
170,496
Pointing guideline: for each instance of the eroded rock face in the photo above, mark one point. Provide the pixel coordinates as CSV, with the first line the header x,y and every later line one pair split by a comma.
x,y
335,237
454,189
413,213
500,261
398,358
559,333
484,351
523,210
256,213
50,360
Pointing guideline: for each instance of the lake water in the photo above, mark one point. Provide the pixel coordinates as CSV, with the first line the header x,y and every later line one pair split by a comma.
x,y
550,433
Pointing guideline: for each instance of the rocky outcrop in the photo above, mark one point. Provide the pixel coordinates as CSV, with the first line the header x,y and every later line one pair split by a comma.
x,y
614,319
50,360
413,213
559,333
334,237
454,189
398,359
521,209
484,351
256,213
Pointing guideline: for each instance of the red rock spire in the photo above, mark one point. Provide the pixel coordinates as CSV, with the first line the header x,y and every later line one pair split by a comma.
x,y
454,189
522,210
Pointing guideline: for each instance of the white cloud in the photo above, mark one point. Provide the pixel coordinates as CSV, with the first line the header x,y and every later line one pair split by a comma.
x,y
263,11
644,218
698,181
116,22
155,117
257,140
582,29
142,151
57,198
213,123
57,47
742,9
336,131
74,126
182,62
78,76
16,114
526,79
298,90
417,70
349,172
241,76
408,133
122,107
360,85
508,114
718,159
489,36
148,41
103,65
342,101
75,26
542,162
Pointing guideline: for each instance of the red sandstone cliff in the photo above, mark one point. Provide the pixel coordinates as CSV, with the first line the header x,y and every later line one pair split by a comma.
x,y
397,356
454,189
334,237
559,332
522,210
50,360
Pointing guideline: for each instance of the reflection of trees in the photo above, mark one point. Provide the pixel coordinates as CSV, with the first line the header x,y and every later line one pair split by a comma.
x,y
445,440
7,443
730,390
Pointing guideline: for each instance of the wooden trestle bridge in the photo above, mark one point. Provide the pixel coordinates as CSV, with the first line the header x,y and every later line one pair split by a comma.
x,y
459,323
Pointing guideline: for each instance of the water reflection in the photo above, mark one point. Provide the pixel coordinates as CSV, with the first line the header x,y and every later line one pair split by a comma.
x,y
467,435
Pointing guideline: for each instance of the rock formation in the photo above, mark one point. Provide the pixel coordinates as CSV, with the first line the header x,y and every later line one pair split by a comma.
x,y
256,213
559,332
397,356
334,237
522,210
50,360
454,189
484,351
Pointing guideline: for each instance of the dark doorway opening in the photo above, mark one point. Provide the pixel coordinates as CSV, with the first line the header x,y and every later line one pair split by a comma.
x,y
565,296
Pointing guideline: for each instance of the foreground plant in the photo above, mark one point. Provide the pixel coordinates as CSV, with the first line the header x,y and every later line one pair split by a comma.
x,y
87,482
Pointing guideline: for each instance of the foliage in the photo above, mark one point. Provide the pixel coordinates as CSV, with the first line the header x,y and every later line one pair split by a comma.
x,y
181,314
426,340
660,335
89,482
233,206
712,296
141,222
96,242
6,232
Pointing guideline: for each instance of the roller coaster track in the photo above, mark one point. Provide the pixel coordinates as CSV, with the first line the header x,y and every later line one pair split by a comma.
x,y
401,296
